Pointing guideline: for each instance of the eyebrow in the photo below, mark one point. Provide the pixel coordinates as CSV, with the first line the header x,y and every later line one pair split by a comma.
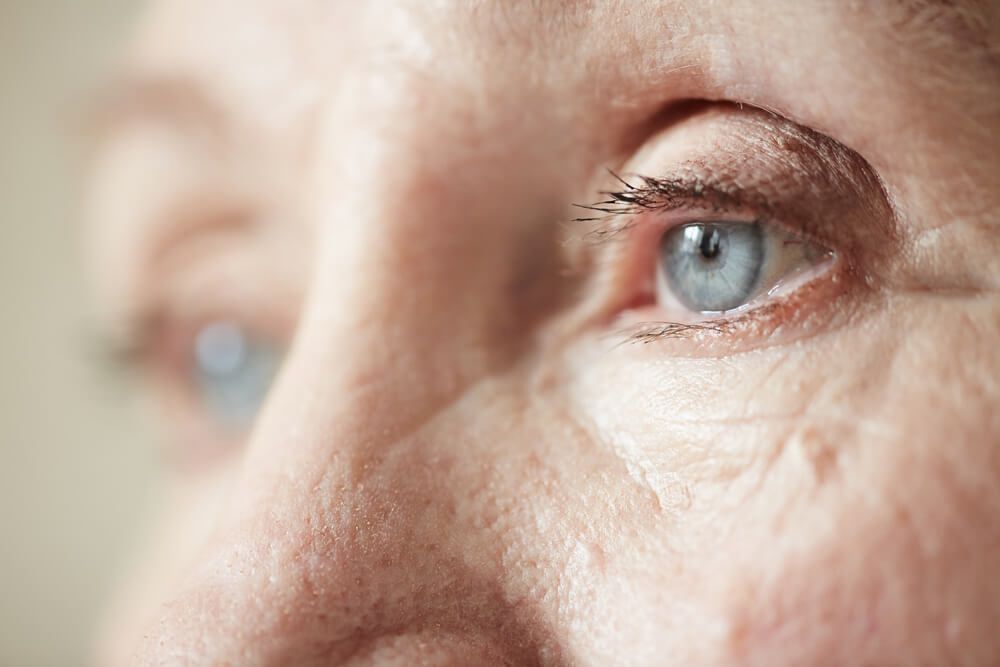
x,y
962,25
945,15
175,101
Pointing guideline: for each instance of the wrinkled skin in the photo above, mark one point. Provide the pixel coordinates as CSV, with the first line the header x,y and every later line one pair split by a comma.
x,y
464,459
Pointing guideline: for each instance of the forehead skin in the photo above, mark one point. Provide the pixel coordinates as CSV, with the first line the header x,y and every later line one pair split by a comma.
x,y
907,84
925,63
398,127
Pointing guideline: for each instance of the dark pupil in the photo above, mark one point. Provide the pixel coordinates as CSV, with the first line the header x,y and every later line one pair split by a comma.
x,y
711,240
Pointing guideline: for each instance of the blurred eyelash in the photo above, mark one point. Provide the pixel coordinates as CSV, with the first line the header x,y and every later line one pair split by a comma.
x,y
126,350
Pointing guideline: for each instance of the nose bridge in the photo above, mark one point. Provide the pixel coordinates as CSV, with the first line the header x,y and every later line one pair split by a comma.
x,y
398,311
341,528
352,535
422,275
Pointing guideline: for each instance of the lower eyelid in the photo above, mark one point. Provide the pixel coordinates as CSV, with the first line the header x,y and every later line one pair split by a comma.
x,y
816,306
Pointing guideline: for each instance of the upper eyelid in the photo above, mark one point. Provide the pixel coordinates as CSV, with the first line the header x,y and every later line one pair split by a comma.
x,y
801,180
695,198
195,222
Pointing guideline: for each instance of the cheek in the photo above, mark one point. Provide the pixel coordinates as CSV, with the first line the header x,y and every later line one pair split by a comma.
x,y
698,433
819,507
887,562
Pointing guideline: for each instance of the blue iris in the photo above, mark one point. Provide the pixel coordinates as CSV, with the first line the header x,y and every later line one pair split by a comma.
x,y
233,372
713,267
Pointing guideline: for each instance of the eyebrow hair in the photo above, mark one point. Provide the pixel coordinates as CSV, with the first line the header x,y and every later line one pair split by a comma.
x,y
941,14
962,25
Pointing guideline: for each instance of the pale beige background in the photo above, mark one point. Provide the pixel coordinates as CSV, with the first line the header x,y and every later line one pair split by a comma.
x,y
76,470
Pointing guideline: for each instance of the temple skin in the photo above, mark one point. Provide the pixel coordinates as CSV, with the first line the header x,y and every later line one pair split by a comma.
x,y
458,463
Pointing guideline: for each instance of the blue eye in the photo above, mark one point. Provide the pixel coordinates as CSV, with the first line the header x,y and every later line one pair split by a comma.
x,y
233,371
712,267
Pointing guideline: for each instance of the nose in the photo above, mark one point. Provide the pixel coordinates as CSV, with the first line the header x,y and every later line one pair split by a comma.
x,y
362,526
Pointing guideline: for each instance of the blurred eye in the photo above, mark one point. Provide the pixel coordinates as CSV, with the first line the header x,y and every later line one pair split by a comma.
x,y
232,372
714,267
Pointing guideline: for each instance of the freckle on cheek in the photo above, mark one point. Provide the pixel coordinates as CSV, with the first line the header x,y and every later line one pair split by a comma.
x,y
819,452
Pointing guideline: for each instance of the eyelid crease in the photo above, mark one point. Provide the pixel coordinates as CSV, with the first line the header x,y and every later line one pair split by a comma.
x,y
181,103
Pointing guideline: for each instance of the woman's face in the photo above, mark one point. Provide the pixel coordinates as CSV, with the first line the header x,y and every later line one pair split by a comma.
x,y
648,333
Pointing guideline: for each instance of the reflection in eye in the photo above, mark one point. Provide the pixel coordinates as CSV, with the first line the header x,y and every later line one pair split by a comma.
x,y
712,267
233,371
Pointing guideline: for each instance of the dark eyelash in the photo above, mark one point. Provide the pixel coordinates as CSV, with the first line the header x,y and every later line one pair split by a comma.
x,y
654,331
659,194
